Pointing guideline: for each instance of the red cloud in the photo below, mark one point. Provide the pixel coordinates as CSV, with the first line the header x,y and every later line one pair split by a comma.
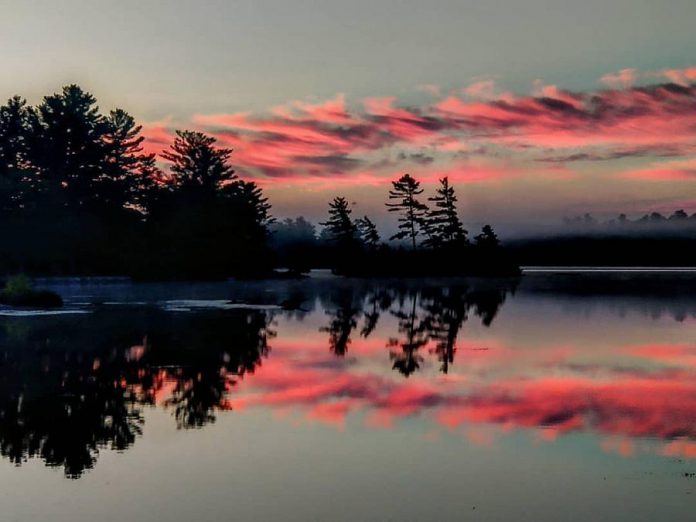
x,y
310,142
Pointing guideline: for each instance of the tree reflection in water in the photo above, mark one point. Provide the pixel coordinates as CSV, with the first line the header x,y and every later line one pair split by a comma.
x,y
71,386
424,314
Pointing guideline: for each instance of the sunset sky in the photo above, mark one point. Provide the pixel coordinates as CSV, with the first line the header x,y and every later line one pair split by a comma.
x,y
536,109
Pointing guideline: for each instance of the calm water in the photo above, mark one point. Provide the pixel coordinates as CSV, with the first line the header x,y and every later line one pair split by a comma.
x,y
555,397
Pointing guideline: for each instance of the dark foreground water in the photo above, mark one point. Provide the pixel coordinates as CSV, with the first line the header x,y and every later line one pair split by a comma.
x,y
555,397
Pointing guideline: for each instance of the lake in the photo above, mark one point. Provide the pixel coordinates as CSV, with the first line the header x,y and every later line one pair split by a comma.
x,y
555,396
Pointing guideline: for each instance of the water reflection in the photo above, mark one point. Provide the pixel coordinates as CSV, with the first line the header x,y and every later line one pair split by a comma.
x,y
74,385
425,314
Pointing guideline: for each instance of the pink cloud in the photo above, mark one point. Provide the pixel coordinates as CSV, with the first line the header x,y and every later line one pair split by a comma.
x,y
620,79
331,142
482,90
629,77
681,170
680,76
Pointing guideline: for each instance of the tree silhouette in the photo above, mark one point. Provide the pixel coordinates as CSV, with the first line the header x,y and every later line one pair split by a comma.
x,y
79,195
344,320
446,311
15,129
69,150
340,226
206,220
413,213
407,359
487,238
197,165
375,303
67,400
128,172
444,225
486,304
368,232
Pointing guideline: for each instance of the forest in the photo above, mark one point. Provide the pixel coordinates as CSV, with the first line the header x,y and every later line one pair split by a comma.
x,y
79,196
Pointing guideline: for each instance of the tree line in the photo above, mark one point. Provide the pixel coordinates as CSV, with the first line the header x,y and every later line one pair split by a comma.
x,y
679,219
432,239
80,196
418,225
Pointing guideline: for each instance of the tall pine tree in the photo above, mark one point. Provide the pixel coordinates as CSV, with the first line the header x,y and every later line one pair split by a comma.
x,y
128,171
69,150
207,222
444,225
340,226
412,222
197,165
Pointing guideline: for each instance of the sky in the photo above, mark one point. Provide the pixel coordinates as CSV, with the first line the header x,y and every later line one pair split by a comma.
x,y
534,109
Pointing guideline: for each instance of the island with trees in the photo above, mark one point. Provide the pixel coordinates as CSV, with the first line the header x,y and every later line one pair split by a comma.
x,y
79,196
434,240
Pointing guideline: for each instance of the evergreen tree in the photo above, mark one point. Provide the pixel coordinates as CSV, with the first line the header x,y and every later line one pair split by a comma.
x,y
247,211
69,150
15,127
254,203
128,171
197,165
339,226
412,221
487,238
15,130
444,225
207,221
368,232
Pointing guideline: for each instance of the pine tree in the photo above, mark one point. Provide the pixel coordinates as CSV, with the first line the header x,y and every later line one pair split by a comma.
x,y
207,219
339,226
444,225
15,130
412,221
487,238
248,208
68,148
15,127
129,172
368,232
197,164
